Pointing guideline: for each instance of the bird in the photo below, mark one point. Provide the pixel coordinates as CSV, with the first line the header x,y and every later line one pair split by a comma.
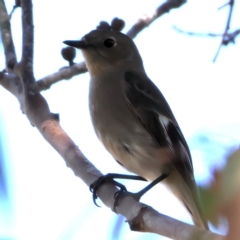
x,y
133,120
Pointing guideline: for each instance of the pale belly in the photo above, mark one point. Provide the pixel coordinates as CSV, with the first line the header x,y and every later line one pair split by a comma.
x,y
134,148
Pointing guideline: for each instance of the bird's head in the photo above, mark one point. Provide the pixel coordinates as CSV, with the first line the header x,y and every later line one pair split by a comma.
x,y
106,48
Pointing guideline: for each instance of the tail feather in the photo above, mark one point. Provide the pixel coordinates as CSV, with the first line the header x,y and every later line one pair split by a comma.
x,y
189,198
195,210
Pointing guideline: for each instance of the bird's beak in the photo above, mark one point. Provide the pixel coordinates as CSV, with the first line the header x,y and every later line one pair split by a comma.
x,y
77,44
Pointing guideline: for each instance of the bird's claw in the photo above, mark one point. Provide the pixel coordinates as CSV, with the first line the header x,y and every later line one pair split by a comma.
x,y
104,179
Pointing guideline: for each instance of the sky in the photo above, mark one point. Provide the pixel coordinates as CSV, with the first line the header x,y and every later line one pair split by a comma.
x,y
46,200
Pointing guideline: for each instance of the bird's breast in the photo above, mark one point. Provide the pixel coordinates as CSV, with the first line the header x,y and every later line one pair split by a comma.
x,y
111,116
122,133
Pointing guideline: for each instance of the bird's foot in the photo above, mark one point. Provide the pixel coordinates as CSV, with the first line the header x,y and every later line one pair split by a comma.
x,y
137,196
109,178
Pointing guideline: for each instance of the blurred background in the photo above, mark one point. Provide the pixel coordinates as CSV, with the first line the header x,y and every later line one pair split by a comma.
x,y
40,198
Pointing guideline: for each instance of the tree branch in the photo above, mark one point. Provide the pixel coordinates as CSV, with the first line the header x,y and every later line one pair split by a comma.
x,y
26,64
229,37
6,35
64,73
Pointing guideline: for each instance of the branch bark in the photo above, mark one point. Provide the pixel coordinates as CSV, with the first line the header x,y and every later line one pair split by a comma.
x,y
26,64
65,73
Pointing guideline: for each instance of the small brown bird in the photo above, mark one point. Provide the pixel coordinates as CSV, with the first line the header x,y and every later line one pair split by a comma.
x,y
132,118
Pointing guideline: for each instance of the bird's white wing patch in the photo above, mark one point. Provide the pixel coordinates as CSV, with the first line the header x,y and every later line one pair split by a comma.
x,y
164,120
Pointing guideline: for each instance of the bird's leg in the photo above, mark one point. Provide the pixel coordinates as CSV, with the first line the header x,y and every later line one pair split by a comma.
x,y
110,179
139,194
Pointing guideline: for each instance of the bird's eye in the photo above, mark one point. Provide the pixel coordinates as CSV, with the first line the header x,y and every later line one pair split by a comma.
x,y
109,43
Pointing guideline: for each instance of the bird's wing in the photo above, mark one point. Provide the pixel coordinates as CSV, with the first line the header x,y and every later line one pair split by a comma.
x,y
153,111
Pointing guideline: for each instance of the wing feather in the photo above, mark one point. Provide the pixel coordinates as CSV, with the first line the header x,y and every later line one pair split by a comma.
x,y
153,111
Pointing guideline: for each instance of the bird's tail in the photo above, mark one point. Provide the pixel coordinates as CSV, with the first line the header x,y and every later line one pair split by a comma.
x,y
189,198
195,209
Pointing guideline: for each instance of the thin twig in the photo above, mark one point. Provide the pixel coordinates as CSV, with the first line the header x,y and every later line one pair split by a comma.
x,y
197,34
17,4
223,6
229,37
231,4
147,20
